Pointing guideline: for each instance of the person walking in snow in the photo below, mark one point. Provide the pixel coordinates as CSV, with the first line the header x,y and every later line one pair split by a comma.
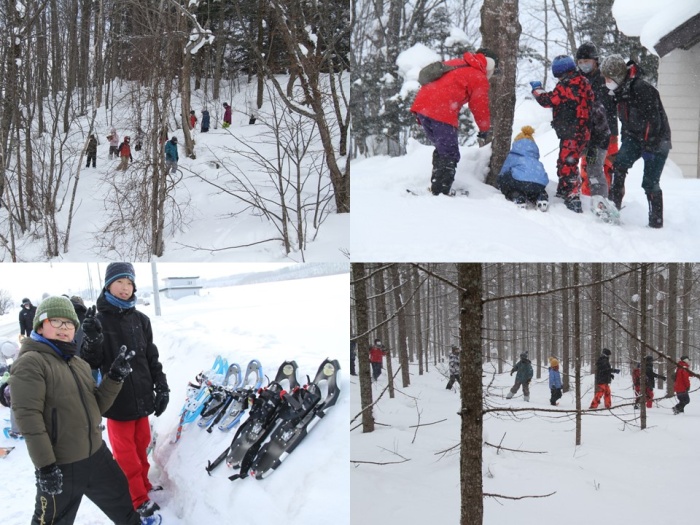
x,y
453,367
138,141
603,376
113,139
116,324
376,353
681,386
227,115
522,178
554,381
523,376
570,102
171,156
205,121
125,154
353,355
193,120
587,61
645,133
650,376
26,317
91,151
252,112
58,408
437,106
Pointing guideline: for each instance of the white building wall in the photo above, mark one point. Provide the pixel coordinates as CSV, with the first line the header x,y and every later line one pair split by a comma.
x,y
679,87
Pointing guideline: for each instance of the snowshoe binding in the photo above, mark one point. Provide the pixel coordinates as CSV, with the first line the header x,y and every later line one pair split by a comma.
x,y
241,395
605,210
220,397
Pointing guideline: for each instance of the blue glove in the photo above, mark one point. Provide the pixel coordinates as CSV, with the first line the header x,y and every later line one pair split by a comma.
x,y
536,84
648,156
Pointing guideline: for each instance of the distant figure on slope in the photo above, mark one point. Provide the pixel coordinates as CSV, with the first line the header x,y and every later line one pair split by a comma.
x,y
205,121
113,139
91,151
522,178
681,385
253,112
650,376
454,367
554,381
437,106
523,376
645,133
125,154
193,120
376,352
26,317
603,377
570,102
353,355
138,141
171,156
227,116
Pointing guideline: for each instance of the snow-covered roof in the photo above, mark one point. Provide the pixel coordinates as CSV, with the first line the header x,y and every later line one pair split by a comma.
x,y
652,20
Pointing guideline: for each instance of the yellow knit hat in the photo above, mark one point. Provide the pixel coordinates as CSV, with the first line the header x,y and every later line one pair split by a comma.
x,y
553,361
526,132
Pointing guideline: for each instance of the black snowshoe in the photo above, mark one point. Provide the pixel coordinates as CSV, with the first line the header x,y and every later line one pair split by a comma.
x,y
304,410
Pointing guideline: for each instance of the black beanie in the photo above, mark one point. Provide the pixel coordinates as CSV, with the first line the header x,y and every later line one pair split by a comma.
x,y
118,270
607,352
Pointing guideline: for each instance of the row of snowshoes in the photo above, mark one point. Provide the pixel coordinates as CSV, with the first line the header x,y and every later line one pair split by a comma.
x,y
281,416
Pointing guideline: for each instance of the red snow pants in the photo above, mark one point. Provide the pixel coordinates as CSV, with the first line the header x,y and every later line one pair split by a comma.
x,y
569,185
602,390
129,440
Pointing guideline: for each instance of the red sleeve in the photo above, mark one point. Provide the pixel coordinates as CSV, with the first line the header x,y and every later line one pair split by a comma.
x,y
479,104
552,98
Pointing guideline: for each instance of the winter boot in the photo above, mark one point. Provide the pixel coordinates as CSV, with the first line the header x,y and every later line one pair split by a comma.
x,y
574,204
675,411
518,198
526,398
443,175
656,209
617,188
542,201
153,519
147,508
509,395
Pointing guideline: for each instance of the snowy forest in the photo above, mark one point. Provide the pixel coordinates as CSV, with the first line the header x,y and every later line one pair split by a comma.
x,y
494,313
72,68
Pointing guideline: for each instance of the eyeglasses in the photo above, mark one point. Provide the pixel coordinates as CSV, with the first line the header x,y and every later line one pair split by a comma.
x,y
58,323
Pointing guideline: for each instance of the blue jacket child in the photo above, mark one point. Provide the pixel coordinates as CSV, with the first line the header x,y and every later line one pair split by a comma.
x,y
522,178
554,381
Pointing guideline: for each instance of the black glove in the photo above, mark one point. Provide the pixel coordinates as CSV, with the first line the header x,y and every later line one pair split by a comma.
x,y
49,479
484,137
162,398
612,376
92,327
121,367
511,372
663,378
3,400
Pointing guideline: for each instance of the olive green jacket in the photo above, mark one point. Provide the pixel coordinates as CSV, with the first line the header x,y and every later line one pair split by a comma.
x,y
57,405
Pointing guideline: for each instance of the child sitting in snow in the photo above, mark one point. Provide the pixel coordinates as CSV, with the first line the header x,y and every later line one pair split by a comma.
x,y
522,178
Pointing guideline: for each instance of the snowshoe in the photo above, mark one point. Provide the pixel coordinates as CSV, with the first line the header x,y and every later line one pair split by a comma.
x,y
4,451
239,398
305,409
220,397
574,204
194,407
605,210
153,519
9,434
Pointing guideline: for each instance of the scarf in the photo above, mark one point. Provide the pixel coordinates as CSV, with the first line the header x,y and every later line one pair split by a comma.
x,y
119,303
65,350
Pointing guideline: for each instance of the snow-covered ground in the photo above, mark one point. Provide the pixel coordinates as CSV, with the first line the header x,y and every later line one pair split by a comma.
x,y
214,221
389,224
305,320
618,475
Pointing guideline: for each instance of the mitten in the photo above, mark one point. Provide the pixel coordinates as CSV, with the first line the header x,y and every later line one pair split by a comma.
x,y
92,327
484,137
49,479
162,398
536,84
120,367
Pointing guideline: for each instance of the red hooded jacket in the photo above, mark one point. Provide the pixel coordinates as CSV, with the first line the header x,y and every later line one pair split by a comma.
x,y
375,354
682,383
443,98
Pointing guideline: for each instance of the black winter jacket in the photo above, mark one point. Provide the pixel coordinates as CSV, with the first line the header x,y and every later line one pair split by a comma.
x,y
602,95
642,115
26,319
131,328
603,371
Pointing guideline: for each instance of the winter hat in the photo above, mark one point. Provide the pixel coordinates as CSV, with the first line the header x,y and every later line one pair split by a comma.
x,y
173,140
523,355
587,50
607,352
117,271
526,132
561,65
53,307
614,68
685,358
491,60
553,361
455,348
26,301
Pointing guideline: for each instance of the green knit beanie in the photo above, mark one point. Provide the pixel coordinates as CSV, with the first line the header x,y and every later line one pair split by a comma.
x,y
53,307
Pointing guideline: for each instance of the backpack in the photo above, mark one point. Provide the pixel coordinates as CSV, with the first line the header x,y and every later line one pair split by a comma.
x,y
435,70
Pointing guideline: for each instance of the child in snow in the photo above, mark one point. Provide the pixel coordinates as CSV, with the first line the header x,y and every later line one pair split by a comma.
x,y
113,139
376,352
523,376
681,385
116,324
554,381
570,102
522,178
193,120
59,408
603,377
649,383
171,156
454,367
437,106
227,116
91,151
205,121
125,154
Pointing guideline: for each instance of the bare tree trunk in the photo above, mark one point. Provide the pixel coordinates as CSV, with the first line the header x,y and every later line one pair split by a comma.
x,y
672,324
645,337
577,351
359,286
596,311
470,319
380,290
685,319
565,328
401,346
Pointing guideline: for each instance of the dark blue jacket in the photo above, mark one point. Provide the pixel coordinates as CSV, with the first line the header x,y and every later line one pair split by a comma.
x,y
524,164
205,120
171,151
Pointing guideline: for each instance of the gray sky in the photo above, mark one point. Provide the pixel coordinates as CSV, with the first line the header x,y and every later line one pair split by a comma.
x,y
34,279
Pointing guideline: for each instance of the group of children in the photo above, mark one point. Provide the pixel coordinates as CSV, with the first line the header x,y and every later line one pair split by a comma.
x,y
604,374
